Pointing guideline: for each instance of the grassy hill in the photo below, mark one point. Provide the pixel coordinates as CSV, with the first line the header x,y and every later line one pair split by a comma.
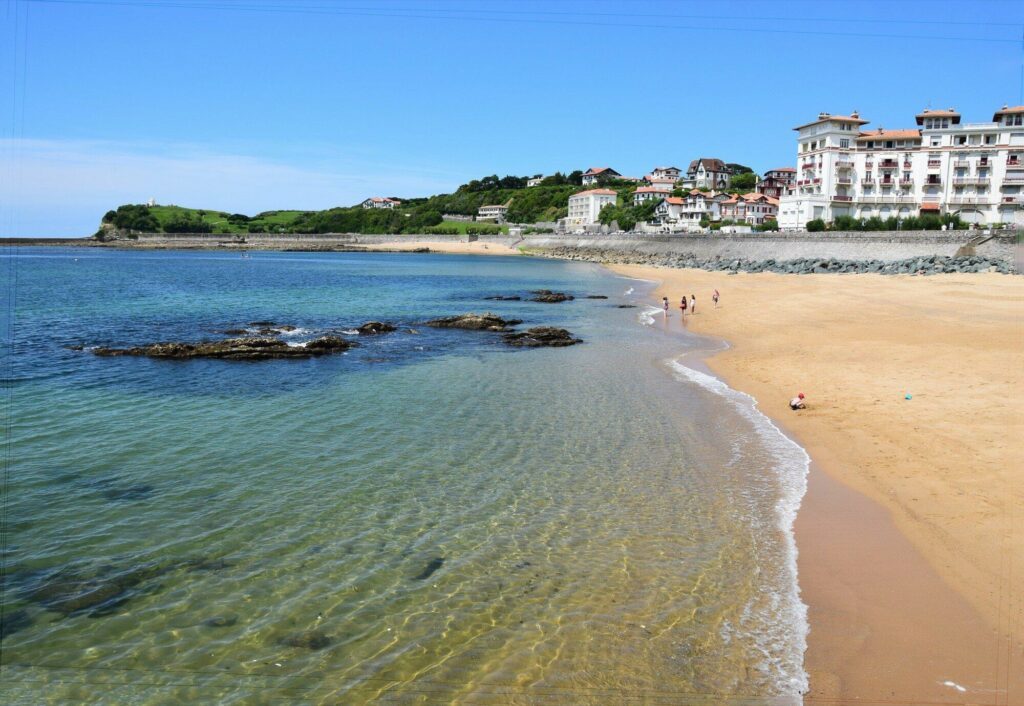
x,y
525,205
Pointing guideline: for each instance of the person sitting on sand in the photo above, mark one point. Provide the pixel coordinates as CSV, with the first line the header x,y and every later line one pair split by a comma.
x,y
797,402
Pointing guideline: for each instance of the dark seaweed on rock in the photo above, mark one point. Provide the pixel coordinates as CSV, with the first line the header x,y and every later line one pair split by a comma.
x,y
474,322
308,640
546,296
432,566
541,336
254,348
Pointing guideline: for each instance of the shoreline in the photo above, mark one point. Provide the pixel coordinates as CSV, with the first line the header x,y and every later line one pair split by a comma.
x,y
900,605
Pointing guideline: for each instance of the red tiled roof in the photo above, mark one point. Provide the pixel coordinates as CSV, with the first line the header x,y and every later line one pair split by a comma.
x,y
653,190
674,200
911,134
825,117
782,169
926,113
596,192
594,171
1008,111
711,164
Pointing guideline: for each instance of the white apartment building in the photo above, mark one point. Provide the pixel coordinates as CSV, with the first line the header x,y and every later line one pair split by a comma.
x,y
494,212
669,211
585,206
380,202
651,193
975,170
534,181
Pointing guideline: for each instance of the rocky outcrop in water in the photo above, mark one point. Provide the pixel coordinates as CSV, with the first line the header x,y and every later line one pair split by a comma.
x,y
428,570
541,336
474,322
249,348
935,264
503,298
546,296
372,328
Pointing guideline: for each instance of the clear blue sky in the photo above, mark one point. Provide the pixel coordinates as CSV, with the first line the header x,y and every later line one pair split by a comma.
x,y
247,105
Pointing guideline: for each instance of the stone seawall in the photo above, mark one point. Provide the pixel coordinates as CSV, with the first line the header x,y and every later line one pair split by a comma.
x,y
883,246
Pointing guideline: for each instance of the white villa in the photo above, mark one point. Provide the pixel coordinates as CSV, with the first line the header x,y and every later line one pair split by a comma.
x,y
708,173
752,208
534,181
649,193
685,213
975,170
672,174
591,176
585,206
380,202
494,212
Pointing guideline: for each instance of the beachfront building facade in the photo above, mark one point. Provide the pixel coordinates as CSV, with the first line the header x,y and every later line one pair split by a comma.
x,y
941,166
708,173
594,174
493,212
776,182
753,209
380,202
585,206
669,211
657,192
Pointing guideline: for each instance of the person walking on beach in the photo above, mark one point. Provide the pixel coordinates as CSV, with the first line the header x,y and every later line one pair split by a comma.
x,y
693,304
797,402
714,298
664,303
682,305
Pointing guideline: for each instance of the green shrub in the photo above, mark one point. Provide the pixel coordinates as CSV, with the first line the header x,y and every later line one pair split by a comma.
x,y
815,226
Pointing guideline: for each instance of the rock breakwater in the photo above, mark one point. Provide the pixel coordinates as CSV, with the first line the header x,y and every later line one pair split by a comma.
x,y
935,264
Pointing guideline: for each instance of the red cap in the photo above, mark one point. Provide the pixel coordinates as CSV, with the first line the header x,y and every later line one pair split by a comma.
x,y
800,395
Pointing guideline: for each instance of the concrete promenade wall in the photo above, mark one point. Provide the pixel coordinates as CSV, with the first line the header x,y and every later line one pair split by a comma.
x,y
884,245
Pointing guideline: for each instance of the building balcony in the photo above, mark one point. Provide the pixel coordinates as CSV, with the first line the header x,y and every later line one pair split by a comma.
x,y
1014,165
932,182
887,182
907,165
837,197
888,164
965,181
844,180
970,201
1014,179
890,198
934,163
816,181
869,165
808,165
1012,201
931,199
844,164
906,183
961,164
866,181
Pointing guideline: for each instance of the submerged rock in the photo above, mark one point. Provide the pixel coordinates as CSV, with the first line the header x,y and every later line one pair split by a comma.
x,y
220,621
595,296
100,592
546,296
128,492
541,336
14,621
374,327
474,322
432,566
626,306
251,348
502,298
309,640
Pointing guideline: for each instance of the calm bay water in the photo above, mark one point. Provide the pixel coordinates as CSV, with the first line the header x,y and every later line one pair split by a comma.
x,y
440,518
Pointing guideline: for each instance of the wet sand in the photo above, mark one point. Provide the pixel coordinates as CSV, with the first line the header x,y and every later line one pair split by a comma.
x,y
911,549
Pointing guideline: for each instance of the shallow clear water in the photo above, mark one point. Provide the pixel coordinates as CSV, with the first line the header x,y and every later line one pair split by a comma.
x,y
454,520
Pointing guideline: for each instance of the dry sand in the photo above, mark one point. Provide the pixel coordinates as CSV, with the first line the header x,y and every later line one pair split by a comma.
x,y
452,248
922,586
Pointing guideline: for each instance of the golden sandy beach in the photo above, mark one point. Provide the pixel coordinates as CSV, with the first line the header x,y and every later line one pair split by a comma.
x,y
911,536
946,464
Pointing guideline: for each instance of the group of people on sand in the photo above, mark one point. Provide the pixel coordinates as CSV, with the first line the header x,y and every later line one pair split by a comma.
x,y
690,307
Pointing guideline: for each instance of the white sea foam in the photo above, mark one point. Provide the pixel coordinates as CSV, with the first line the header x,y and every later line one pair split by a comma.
x,y
647,315
791,467
350,332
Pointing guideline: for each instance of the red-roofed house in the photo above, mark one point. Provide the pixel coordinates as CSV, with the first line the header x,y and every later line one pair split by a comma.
x,y
649,193
380,202
776,181
708,173
752,208
592,175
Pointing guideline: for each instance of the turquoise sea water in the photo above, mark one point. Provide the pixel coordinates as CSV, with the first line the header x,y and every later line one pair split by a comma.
x,y
431,517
